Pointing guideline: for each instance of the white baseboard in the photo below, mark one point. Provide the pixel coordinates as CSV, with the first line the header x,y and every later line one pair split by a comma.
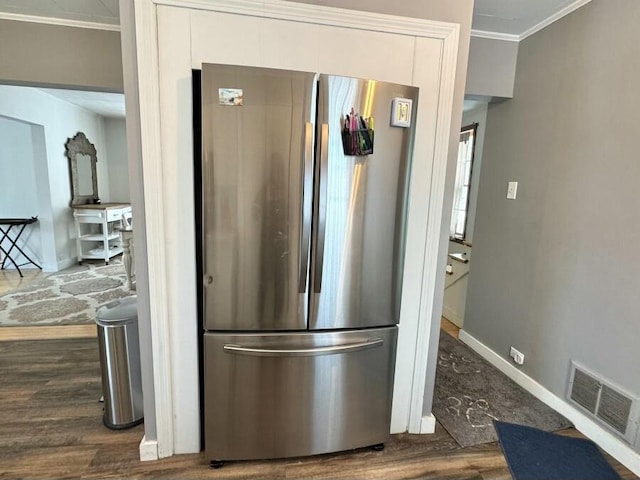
x,y
452,316
428,424
605,440
49,267
62,264
148,450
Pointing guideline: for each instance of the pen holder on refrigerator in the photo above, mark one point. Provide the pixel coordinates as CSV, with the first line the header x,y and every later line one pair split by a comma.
x,y
357,142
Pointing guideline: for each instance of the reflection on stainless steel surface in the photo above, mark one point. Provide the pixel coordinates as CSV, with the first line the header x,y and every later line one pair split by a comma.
x,y
321,199
307,197
121,377
302,252
252,190
360,234
302,352
279,406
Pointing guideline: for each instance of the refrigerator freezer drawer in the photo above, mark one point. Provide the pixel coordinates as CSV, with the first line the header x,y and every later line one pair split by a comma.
x,y
287,395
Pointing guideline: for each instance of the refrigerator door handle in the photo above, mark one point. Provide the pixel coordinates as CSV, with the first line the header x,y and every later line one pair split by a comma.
x,y
322,207
307,196
302,352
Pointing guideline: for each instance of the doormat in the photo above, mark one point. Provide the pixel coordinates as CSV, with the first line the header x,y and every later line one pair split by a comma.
x,y
533,454
69,297
470,394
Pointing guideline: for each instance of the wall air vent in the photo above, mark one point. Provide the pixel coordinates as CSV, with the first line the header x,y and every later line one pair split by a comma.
x,y
604,402
614,409
585,390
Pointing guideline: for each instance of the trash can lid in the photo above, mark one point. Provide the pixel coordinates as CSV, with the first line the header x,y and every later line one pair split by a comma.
x,y
118,311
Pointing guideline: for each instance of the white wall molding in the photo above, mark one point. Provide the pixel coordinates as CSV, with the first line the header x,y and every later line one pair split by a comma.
x,y
321,15
553,18
428,318
428,424
148,450
505,37
145,45
63,22
63,264
608,442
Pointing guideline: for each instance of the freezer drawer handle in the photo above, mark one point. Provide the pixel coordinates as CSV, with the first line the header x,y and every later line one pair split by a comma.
x,y
303,352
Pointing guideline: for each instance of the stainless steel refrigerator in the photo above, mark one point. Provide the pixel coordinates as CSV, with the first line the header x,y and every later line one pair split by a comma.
x,y
302,256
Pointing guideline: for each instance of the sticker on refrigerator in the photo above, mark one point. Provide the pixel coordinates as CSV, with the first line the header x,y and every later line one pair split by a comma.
x,y
230,96
401,112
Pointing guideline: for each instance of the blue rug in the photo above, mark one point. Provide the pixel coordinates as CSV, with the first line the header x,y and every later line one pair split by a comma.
x,y
534,454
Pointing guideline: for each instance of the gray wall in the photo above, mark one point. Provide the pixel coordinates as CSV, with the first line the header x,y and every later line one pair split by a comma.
x,y
40,54
492,68
555,273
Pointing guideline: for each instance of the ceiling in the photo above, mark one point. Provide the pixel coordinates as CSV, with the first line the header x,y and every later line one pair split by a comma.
x,y
506,19
93,11
105,104
519,18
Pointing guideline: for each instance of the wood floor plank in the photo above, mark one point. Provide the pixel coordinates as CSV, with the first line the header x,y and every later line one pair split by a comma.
x,y
47,332
51,428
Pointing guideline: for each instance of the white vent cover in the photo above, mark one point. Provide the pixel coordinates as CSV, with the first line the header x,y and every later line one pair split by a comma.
x,y
604,402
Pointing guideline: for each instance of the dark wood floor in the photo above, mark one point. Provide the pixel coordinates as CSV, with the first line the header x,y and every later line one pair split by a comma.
x,y
51,427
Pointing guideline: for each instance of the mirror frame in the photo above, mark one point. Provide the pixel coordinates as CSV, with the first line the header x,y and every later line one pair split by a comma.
x,y
80,145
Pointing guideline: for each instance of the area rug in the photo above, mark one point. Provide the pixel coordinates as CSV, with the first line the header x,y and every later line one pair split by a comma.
x,y
533,454
69,297
470,394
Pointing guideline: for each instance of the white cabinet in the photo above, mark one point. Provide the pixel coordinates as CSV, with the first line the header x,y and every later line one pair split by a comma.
x,y
97,227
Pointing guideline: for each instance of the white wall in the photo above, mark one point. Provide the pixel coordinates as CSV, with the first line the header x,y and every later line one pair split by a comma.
x,y
60,120
116,159
18,191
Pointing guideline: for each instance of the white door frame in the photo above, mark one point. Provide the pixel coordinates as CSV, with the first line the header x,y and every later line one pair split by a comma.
x,y
425,216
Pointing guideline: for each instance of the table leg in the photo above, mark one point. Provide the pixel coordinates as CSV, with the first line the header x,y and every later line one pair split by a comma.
x,y
13,244
126,259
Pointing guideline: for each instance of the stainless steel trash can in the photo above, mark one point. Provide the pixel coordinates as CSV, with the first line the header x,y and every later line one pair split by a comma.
x,y
120,363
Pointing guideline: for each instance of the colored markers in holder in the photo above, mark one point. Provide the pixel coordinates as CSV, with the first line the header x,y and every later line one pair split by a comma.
x,y
357,134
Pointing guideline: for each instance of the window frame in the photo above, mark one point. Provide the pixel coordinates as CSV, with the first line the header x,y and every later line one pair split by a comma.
x,y
473,127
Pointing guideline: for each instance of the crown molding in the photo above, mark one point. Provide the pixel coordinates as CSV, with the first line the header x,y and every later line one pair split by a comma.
x,y
63,22
511,37
505,37
553,18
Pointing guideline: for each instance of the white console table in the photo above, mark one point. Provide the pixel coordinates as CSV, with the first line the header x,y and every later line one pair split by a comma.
x,y
97,227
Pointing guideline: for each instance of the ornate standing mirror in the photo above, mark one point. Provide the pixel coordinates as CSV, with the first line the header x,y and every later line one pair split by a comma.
x,y
82,164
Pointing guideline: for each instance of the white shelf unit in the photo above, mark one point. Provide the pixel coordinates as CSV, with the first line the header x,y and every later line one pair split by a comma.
x,y
97,236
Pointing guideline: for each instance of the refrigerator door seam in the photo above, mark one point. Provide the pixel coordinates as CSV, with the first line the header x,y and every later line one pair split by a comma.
x,y
322,207
307,195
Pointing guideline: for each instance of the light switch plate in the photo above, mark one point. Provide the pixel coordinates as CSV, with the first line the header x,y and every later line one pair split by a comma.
x,y
512,190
